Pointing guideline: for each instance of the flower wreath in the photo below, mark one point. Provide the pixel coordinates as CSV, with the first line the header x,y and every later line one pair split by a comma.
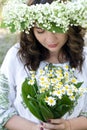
x,y
54,17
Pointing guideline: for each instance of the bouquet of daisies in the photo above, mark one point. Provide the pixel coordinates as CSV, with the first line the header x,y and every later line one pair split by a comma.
x,y
53,93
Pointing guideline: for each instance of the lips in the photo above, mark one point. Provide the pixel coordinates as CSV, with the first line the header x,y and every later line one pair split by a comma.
x,y
52,45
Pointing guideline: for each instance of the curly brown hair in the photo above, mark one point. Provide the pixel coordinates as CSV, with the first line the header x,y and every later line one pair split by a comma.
x,y
32,52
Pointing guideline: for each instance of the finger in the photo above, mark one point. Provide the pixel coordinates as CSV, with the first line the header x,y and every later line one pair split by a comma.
x,y
53,126
56,121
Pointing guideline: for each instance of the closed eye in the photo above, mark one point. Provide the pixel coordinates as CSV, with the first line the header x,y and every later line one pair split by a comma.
x,y
39,30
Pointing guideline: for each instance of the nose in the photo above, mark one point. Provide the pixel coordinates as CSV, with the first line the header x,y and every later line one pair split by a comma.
x,y
50,37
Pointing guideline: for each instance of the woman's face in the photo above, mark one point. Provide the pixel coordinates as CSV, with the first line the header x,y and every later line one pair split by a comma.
x,y
52,41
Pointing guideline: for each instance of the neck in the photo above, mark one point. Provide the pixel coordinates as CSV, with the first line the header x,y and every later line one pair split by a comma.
x,y
56,58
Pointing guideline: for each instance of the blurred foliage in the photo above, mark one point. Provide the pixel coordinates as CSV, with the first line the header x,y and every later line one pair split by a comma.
x,y
2,2
6,41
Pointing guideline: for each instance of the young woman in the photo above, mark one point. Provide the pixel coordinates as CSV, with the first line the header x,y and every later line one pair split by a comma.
x,y
35,50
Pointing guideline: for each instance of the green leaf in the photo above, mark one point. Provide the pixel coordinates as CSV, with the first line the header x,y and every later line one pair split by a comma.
x,y
66,100
12,28
53,28
63,109
23,25
46,112
31,102
34,108
78,85
63,106
56,29
28,89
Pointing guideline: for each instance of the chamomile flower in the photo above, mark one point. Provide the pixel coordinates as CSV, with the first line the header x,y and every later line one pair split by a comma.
x,y
42,79
73,80
42,89
58,85
42,72
57,93
51,101
72,98
66,86
66,67
69,92
31,82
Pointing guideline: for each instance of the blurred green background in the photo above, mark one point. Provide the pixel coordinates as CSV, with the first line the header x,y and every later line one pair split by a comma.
x,y
6,41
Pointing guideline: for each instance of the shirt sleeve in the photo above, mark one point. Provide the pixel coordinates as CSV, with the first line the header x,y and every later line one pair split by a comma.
x,y
7,88
84,110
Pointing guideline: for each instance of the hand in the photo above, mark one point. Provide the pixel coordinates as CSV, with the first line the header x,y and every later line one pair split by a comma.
x,y
56,124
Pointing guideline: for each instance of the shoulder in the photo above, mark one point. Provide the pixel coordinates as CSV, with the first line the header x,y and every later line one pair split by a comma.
x,y
12,52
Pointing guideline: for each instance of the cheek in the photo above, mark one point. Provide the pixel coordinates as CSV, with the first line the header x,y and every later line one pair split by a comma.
x,y
40,38
64,39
